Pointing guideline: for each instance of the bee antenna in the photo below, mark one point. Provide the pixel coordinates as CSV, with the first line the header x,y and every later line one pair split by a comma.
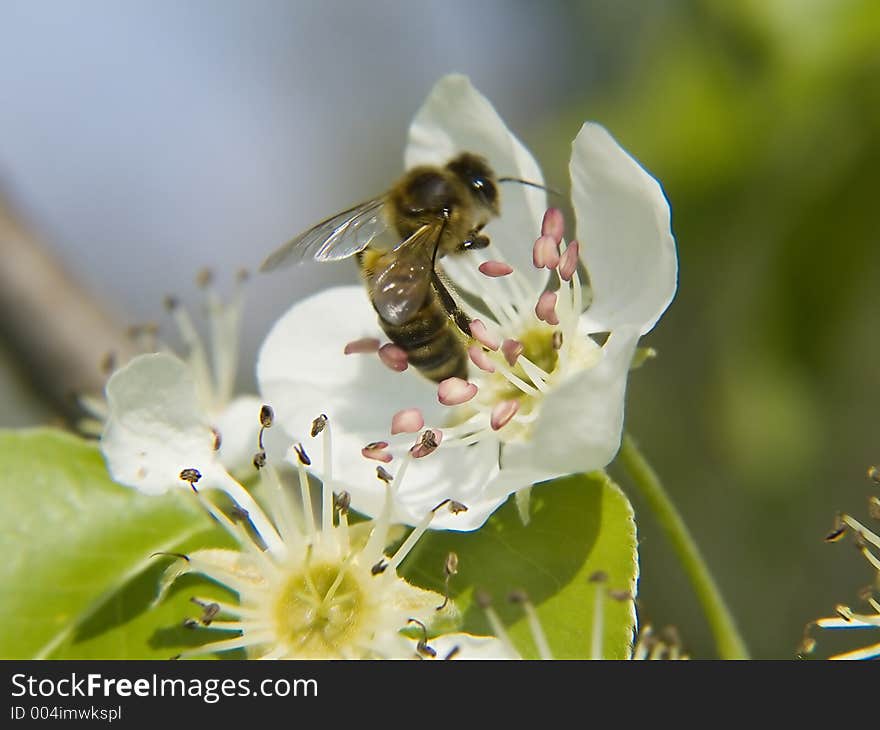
x,y
531,184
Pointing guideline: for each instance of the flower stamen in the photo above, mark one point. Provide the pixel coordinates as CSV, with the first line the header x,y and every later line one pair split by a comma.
x,y
321,426
484,601
267,416
225,324
545,309
384,475
481,359
196,356
363,346
394,357
305,490
503,310
427,444
419,530
599,578
494,269
503,413
191,476
569,262
376,450
481,335
450,568
538,375
409,420
540,638
553,224
514,379
545,253
512,349
274,491
422,647
455,391
210,609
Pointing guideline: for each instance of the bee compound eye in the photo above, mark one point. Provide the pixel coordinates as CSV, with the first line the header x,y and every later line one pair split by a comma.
x,y
485,190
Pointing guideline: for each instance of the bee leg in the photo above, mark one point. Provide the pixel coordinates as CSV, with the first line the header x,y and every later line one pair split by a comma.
x,y
474,243
475,240
462,321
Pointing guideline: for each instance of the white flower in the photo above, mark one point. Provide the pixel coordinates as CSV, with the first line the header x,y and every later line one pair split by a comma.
x,y
544,398
212,365
307,586
867,542
157,426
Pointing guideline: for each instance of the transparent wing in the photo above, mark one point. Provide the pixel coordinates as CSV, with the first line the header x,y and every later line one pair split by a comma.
x,y
337,237
401,287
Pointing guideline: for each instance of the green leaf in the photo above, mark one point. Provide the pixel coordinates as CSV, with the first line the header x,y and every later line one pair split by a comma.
x,y
77,576
579,525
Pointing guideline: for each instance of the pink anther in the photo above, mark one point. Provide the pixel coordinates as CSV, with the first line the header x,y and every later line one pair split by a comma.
x,y
362,346
482,360
455,391
427,444
545,254
481,335
376,451
512,349
408,420
495,268
569,262
553,224
503,413
545,309
394,357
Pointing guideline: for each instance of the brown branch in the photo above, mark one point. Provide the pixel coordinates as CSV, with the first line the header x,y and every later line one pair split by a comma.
x,y
57,329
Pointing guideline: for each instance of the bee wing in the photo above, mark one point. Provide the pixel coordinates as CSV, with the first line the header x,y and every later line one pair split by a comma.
x,y
337,237
400,289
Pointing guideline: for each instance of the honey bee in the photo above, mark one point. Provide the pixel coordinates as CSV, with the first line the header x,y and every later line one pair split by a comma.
x,y
398,238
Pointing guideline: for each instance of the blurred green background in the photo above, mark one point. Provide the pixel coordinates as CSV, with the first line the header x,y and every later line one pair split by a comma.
x,y
762,121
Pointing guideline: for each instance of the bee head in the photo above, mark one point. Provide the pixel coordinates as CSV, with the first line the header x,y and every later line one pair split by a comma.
x,y
478,177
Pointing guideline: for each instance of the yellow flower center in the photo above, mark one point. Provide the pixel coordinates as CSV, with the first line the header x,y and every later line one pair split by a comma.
x,y
320,611
538,347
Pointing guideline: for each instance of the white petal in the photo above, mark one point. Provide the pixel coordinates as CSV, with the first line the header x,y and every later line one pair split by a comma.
x,y
238,426
624,229
457,118
581,420
308,341
155,428
459,473
519,473
303,372
468,646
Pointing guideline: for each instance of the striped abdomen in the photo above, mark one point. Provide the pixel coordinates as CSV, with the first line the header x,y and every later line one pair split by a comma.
x,y
431,340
